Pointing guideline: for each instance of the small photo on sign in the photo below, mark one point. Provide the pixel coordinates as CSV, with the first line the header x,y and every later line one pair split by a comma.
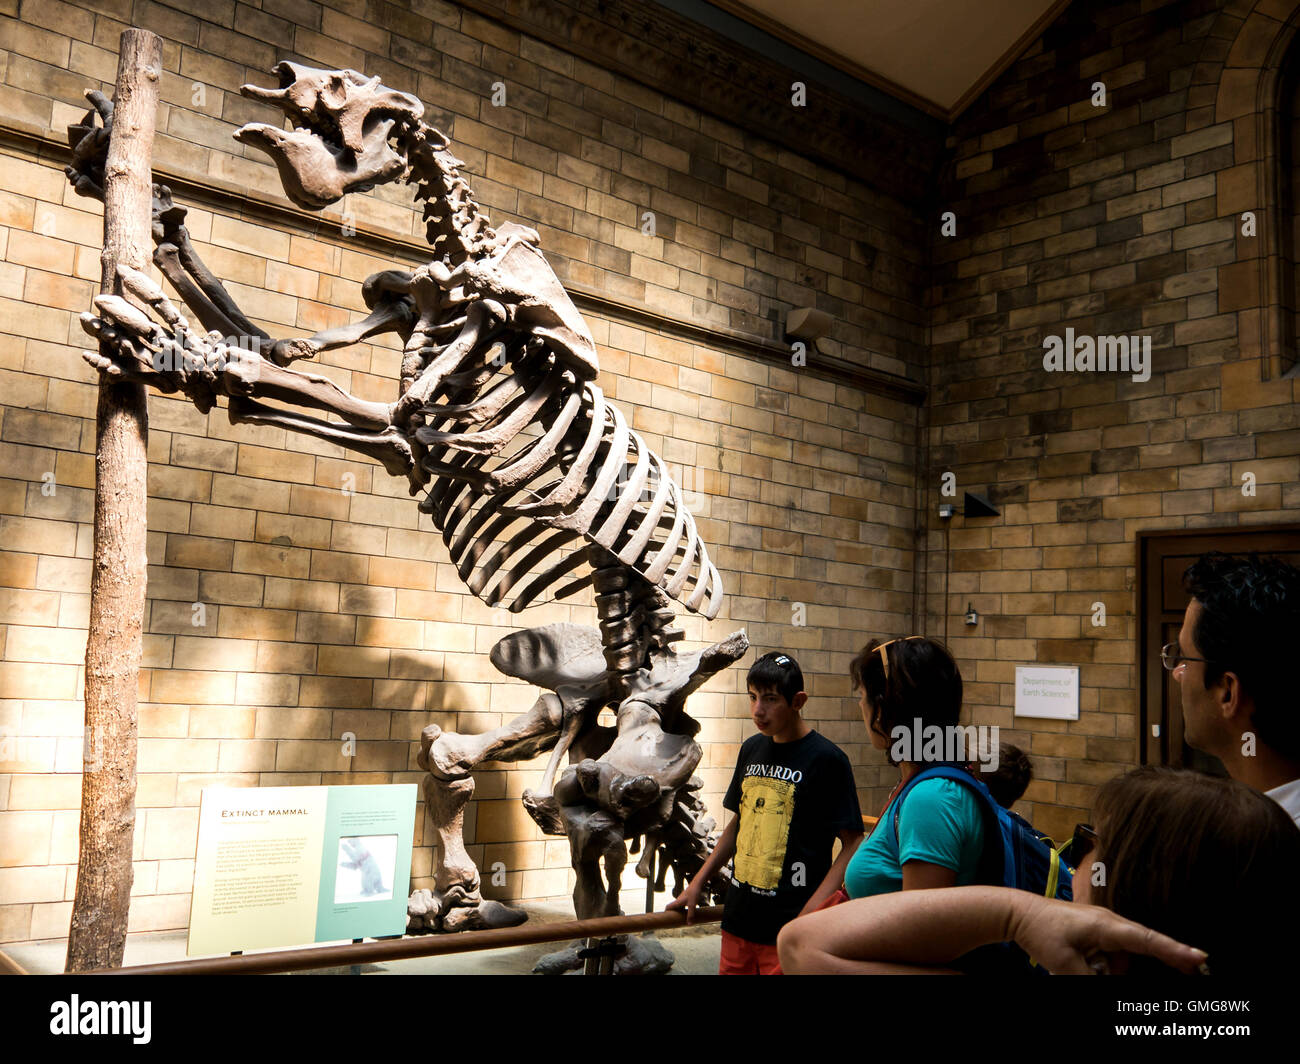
x,y
365,868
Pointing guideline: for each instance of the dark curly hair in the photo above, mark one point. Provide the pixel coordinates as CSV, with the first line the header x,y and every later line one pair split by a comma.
x,y
1249,624
923,682
1012,778
1206,860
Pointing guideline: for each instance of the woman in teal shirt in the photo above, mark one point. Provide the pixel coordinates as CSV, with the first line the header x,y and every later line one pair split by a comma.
x,y
906,684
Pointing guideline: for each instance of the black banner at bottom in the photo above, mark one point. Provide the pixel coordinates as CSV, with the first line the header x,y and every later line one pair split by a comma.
x,y
306,1012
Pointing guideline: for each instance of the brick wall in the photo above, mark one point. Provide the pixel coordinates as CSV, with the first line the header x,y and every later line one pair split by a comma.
x,y
325,612
1120,220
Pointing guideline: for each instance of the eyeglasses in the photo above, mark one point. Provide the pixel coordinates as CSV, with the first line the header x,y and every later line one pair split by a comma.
x,y
1171,656
1083,842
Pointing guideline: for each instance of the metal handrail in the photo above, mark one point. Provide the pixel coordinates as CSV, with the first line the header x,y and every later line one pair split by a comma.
x,y
296,960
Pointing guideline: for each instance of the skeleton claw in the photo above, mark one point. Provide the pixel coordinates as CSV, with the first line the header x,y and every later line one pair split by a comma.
x,y
105,366
145,289
127,316
89,144
165,356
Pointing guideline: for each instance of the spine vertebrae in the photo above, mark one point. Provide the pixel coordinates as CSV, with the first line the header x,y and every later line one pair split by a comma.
x,y
635,616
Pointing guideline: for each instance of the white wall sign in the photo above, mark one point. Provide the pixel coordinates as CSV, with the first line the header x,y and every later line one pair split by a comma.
x,y
1047,691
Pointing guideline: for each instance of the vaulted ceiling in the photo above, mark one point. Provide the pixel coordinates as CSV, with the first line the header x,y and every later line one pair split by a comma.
x,y
937,55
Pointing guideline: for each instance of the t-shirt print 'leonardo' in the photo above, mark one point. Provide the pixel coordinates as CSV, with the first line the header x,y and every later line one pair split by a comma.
x,y
766,806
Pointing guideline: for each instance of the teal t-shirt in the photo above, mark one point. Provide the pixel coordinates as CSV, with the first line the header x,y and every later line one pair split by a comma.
x,y
941,824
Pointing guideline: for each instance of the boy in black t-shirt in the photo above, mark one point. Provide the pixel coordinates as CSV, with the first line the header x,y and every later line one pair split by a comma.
x,y
793,794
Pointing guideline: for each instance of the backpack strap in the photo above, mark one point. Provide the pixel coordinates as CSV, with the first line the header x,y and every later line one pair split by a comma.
x,y
943,771
1057,859
988,809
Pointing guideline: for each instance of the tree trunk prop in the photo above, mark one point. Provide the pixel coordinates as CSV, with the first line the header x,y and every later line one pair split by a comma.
x,y
97,937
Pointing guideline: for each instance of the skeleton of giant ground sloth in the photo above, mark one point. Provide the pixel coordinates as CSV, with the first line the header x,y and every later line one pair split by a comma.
x,y
537,484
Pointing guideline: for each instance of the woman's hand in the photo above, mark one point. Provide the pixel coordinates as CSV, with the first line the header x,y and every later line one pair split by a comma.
x,y
1068,938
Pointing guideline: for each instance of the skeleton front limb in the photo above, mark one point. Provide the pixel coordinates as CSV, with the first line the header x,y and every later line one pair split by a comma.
x,y
392,310
174,255
209,301
205,296
172,358
388,447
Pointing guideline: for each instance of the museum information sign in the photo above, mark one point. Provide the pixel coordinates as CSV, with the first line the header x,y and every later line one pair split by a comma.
x,y
1047,691
287,866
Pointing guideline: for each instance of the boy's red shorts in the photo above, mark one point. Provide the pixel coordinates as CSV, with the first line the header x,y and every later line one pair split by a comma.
x,y
742,957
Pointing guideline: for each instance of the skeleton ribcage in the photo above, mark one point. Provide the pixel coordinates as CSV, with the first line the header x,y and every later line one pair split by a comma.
x,y
536,477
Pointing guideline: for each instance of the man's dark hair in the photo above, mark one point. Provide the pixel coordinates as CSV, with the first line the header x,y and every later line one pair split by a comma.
x,y
1012,777
923,682
776,672
1249,624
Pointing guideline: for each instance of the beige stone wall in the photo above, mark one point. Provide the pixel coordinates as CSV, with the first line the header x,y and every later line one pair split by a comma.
x,y
1123,220
327,611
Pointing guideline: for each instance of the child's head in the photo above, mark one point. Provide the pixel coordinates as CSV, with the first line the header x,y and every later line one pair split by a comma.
x,y
776,694
1012,776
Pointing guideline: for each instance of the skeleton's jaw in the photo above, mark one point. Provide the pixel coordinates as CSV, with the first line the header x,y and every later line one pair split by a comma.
x,y
316,173
308,170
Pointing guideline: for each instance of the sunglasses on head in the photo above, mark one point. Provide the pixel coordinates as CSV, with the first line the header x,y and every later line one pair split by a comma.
x,y
884,658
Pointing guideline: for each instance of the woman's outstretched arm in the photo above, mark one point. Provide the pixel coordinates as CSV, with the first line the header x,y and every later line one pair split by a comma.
x,y
926,930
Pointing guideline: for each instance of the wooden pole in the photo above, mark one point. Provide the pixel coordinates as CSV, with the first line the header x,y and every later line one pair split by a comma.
x,y
97,936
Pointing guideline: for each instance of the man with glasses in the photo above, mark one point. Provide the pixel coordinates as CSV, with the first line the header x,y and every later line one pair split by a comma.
x,y
1234,662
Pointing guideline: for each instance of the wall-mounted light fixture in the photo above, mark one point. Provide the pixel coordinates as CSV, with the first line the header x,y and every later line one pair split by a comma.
x,y
978,506
808,323
972,617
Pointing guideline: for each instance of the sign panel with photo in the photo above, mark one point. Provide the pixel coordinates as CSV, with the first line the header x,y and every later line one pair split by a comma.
x,y
288,866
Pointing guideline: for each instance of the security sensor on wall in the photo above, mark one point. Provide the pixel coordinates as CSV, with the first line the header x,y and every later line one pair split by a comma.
x,y
808,323
947,509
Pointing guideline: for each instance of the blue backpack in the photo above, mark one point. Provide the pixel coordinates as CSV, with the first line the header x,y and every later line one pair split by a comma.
x,y
1025,859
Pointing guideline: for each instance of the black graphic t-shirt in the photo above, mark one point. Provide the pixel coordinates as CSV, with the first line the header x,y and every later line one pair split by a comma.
x,y
793,799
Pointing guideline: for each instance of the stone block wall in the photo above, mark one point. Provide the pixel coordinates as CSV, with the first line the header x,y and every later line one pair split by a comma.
x,y
295,595
1122,220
